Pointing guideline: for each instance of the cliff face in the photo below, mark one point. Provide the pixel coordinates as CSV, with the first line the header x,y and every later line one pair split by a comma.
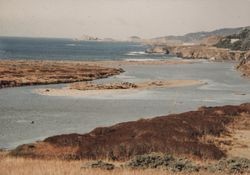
x,y
216,45
206,52
244,65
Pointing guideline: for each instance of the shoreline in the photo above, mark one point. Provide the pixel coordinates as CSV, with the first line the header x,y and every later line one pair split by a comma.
x,y
14,73
198,51
24,73
227,124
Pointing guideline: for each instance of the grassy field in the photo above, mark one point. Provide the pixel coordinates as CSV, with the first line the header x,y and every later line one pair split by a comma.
x,y
21,166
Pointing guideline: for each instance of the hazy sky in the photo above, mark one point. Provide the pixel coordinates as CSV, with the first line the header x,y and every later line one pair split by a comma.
x,y
119,18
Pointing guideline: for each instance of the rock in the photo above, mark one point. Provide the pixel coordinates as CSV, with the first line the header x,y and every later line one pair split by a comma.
x,y
206,52
244,65
92,86
158,50
99,164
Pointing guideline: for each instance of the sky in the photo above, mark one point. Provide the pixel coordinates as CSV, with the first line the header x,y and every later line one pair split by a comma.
x,y
119,19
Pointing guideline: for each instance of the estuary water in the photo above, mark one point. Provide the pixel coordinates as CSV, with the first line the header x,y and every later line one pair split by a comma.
x,y
59,115
27,117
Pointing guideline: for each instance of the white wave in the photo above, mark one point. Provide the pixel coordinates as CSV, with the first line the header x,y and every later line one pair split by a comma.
x,y
140,59
22,121
136,53
121,76
70,44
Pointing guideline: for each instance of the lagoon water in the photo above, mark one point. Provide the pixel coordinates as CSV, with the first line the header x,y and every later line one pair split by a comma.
x,y
59,115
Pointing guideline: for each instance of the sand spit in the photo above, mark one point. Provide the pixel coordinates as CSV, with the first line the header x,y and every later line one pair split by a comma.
x,y
15,73
88,88
22,73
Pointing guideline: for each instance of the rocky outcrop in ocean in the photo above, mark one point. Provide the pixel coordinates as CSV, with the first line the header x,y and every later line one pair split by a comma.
x,y
158,50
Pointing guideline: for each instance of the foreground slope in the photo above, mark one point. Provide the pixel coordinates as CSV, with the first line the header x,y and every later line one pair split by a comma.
x,y
196,134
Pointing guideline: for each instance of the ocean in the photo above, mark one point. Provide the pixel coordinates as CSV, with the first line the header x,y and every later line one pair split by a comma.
x,y
68,49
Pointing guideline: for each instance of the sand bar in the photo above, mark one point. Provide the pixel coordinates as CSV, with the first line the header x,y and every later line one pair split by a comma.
x,y
75,89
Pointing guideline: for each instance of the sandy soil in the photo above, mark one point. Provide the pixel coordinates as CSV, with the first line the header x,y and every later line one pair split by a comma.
x,y
69,91
235,142
241,144
240,138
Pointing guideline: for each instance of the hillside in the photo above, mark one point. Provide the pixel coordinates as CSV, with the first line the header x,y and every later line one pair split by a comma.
x,y
197,36
200,134
238,41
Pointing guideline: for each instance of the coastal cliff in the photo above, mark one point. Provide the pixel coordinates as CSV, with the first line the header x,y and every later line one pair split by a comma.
x,y
206,52
213,47
199,52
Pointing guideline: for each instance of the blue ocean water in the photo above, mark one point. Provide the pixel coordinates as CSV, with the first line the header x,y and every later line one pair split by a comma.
x,y
68,49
